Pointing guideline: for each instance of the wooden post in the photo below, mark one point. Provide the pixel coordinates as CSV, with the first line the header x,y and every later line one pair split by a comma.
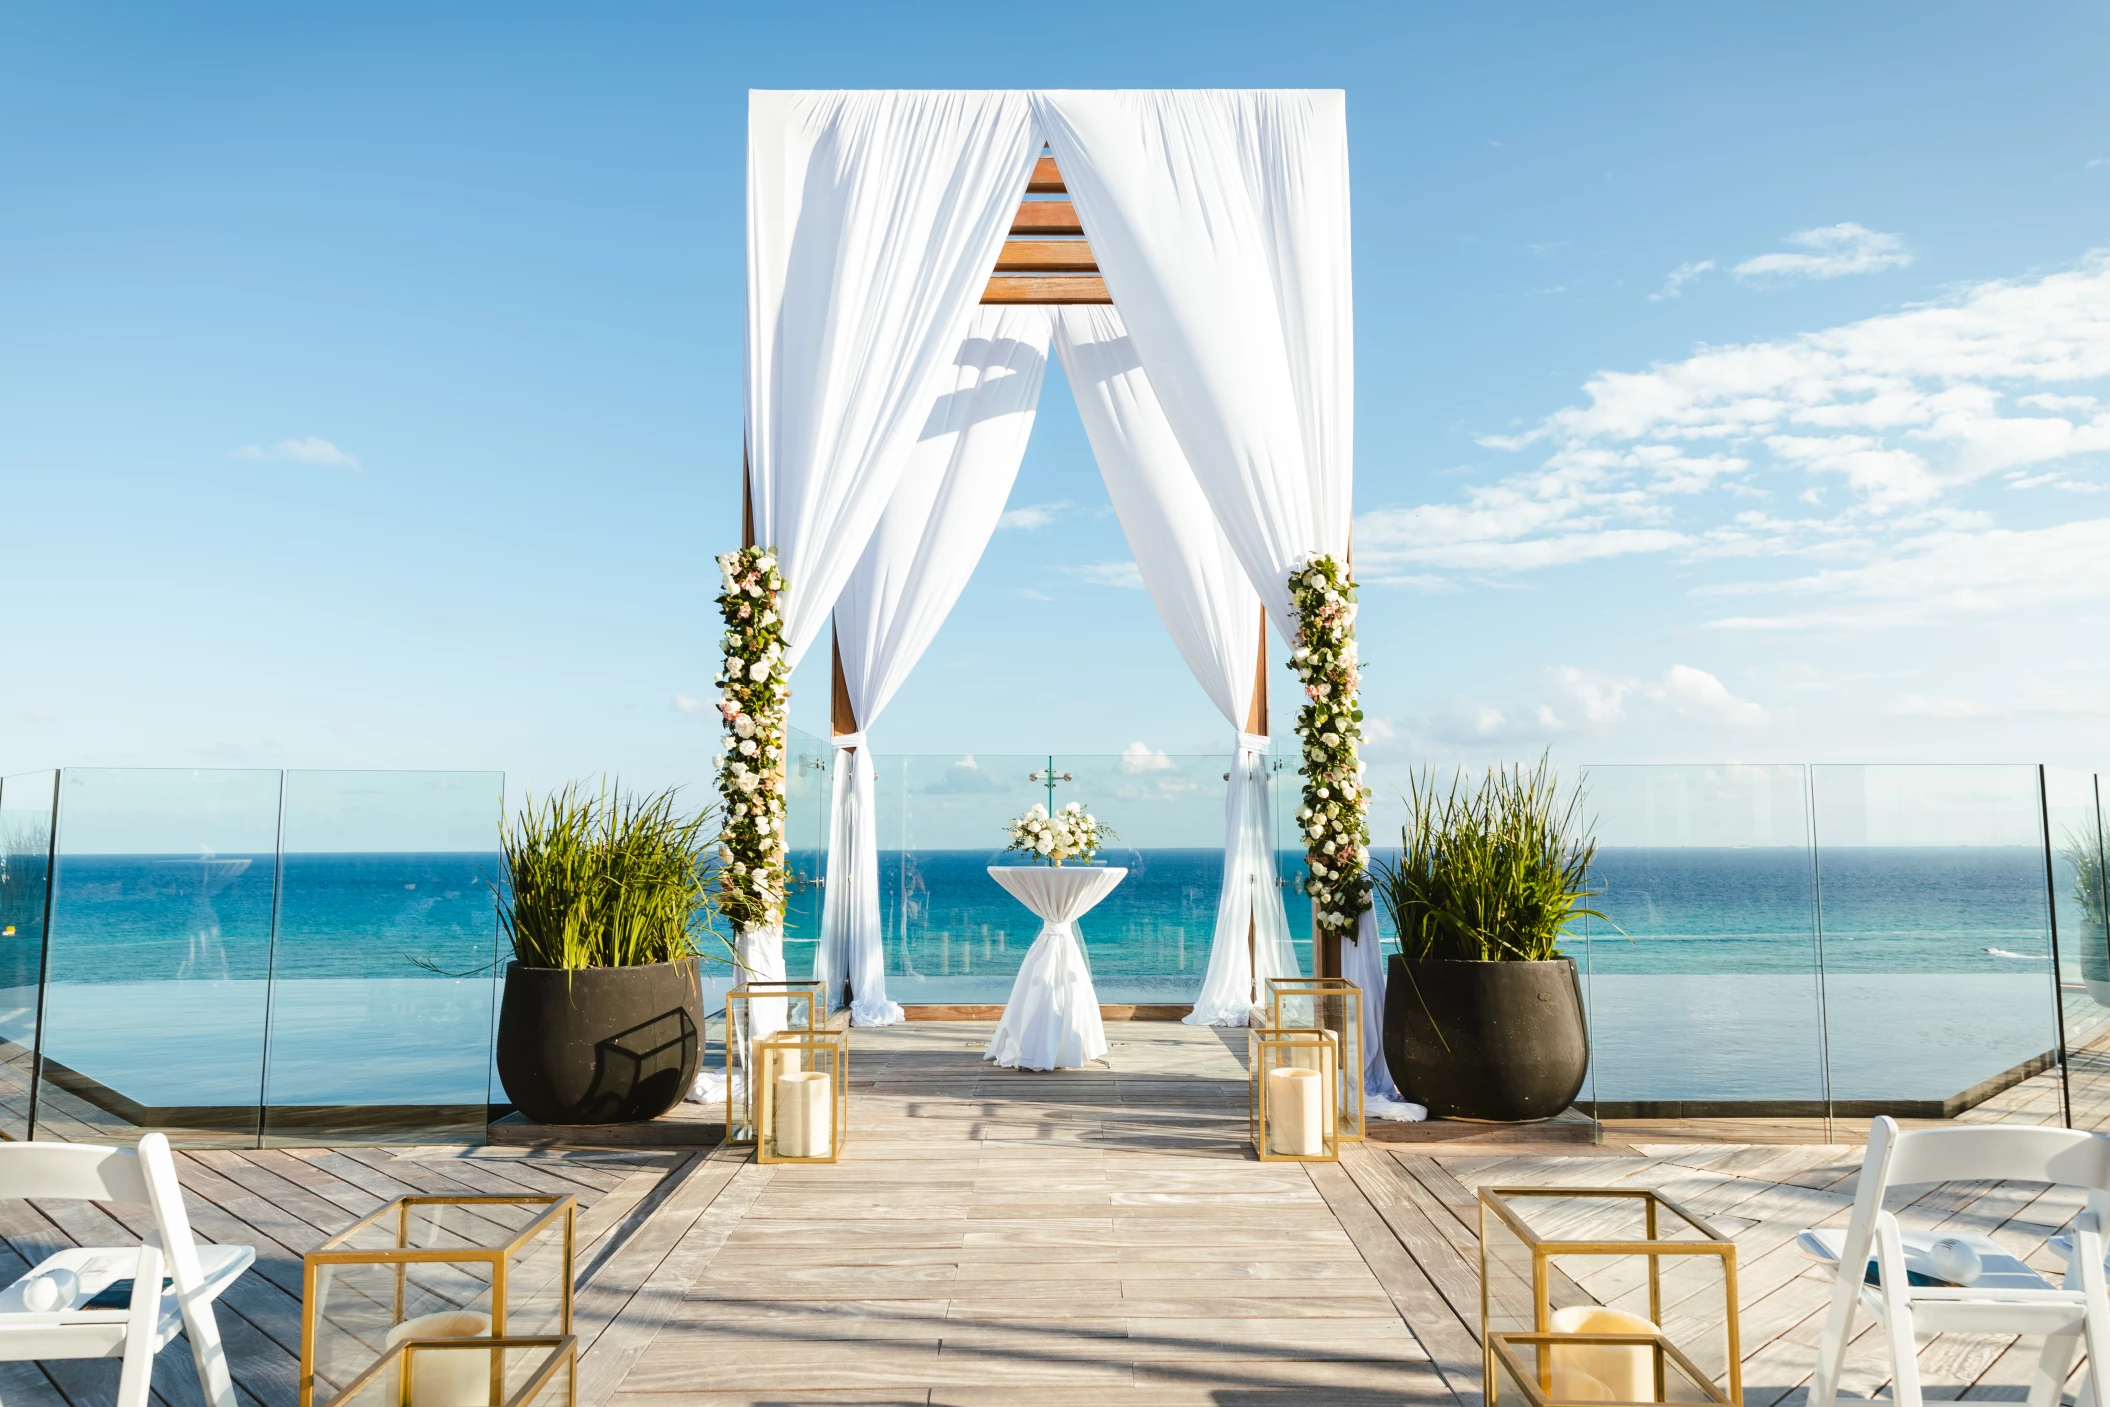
x,y
842,718
747,501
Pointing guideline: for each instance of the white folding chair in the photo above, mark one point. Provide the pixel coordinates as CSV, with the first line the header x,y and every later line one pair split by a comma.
x,y
197,1273
2007,1297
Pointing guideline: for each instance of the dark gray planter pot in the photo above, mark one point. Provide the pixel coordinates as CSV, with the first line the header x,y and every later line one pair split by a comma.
x,y
600,1045
1502,1042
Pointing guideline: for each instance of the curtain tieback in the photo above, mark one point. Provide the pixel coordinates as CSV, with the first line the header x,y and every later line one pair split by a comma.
x,y
850,741
1252,742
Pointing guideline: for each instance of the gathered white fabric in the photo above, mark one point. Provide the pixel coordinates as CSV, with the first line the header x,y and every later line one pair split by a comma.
x,y
1219,219
873,219
918,560
1052,1020
1213,615
759,954
1363,963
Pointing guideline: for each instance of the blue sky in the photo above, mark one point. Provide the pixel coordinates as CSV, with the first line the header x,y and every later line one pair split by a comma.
x,y
1733,382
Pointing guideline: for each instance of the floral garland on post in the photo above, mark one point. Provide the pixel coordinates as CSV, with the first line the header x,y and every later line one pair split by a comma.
x,y
755,698
1335,816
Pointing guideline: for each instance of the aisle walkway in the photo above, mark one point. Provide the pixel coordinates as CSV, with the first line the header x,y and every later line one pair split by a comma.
x,y
1002,1237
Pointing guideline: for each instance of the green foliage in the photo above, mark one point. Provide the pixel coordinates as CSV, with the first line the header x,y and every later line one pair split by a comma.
x,y
1495,873
2080,850
606,880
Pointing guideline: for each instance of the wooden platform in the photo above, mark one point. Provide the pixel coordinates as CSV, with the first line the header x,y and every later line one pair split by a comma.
x,y
1084,1237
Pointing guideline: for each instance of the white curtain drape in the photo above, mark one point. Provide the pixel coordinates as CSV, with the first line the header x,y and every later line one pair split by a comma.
x,y
1213,615
1220,221
915,565
873,219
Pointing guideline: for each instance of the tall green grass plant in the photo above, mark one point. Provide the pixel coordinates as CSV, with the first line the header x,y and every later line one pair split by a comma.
x,y
1490,873
607,879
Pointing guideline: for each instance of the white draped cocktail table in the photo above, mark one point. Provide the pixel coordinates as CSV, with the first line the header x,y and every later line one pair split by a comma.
x,y
1052,1020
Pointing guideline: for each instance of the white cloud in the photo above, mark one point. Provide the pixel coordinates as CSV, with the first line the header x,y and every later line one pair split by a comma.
x,y
1831,251
1598,704
1876,423
695,708
1137,757
311,450
1937,577
1124,574
1674,285
1032,516
1031,595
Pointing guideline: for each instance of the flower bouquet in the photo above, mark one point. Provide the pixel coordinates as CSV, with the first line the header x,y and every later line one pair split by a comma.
x,y
1072,833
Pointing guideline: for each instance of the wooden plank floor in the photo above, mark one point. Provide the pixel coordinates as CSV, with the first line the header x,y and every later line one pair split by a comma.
x,y
1082,1237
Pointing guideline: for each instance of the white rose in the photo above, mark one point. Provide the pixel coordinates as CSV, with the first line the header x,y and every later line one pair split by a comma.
x,y
747,782
1046,844
747,747
758,671
755,591
744,726
725,852
1330,739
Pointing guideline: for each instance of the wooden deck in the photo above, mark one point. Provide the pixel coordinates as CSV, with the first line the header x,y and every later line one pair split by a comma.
x,y
1099,1236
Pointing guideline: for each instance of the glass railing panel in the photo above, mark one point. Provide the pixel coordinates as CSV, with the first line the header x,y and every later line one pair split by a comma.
x,y
386,966
1937,950
808,802
159,955
1702,981
953,936
1285,795
1149,940
26,803
2077,897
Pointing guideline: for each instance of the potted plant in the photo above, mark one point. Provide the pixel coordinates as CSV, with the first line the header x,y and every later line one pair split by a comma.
x,y
1483,1013
602,1018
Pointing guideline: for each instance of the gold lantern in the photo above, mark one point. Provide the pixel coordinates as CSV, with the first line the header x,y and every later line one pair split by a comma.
x,y
472,1269
1292,1101
761,1009
1605,1291
803,1112
1327,1004
513,1372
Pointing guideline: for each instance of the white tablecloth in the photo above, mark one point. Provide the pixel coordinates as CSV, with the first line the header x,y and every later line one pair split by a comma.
x,y
1052,1020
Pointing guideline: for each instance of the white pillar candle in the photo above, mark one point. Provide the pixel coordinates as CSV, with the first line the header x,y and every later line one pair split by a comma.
x,y
1296,1112
1319,1058
1602,1372
805,1114
450,1377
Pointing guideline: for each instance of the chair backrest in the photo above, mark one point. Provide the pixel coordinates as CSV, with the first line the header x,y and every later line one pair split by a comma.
x,y
1997,1154
146,1177
72,1170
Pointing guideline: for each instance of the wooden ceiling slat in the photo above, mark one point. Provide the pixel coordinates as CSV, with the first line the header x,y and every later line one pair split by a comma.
x,y
1046,217
1046,179
1046,256
1047,288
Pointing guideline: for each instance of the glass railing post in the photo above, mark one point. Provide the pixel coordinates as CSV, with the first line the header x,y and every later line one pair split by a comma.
x,y
2051,923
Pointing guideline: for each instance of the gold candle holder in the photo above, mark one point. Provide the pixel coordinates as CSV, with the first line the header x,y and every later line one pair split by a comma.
x,y
1585,1281
804,1111
469,1270
1293,1113
759,1010
1327,1004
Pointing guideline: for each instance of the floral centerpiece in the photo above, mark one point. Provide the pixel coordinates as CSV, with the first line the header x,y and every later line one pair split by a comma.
x,y
755,697
1335,815
1072,833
